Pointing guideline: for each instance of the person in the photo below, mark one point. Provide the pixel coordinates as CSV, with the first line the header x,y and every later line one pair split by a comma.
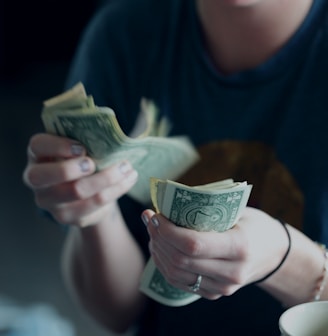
x,y
246,81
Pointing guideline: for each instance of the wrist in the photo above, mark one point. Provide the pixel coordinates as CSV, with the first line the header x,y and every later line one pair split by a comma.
x,y
323,278
299,277
282,261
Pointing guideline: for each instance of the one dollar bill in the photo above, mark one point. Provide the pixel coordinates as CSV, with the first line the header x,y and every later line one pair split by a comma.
x,y
211,207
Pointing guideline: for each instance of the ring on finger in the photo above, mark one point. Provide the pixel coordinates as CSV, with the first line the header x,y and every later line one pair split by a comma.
x,y
196,286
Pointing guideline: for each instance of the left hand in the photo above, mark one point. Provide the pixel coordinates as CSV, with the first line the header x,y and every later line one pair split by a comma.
x,y
226,260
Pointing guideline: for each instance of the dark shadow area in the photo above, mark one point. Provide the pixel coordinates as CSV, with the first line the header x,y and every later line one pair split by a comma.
x,y
37,40
40,31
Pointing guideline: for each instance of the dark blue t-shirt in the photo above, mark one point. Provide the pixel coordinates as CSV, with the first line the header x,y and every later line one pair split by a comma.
x,y
266,125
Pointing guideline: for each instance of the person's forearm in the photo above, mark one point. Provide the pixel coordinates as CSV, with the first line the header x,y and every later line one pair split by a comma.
x,y
296,281
102,266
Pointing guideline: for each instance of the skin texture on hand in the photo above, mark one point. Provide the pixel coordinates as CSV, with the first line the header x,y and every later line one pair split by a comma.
x,y
64,181
226,260
235,258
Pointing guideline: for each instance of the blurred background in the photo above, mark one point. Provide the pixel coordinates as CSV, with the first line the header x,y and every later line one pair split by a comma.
x,y
37,41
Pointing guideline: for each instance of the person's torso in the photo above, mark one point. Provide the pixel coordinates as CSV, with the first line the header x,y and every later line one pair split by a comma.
x,y
265,125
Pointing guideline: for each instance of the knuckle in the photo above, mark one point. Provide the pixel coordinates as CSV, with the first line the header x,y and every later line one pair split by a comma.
x,y
238,277
32,178
194,247
100,198
110,176
242,251
180,261
212,297
80,190
64,171
228,290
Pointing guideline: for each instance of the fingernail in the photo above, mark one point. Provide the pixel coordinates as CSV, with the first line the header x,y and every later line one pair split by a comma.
x,y
124,167
84,165
155,221
145,219
76,150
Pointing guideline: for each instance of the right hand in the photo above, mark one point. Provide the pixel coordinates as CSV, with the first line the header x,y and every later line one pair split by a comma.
x,y
65,184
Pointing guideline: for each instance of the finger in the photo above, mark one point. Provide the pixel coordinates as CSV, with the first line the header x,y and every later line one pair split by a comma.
x,y
208,245
223,270
42,146
175,276
52,173
209,288
222,276
104,186
185,280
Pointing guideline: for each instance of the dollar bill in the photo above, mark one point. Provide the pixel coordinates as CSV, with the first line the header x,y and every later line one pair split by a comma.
x,y
151,151
212,207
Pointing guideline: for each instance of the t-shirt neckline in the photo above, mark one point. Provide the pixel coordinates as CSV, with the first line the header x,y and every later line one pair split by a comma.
x,y
287,57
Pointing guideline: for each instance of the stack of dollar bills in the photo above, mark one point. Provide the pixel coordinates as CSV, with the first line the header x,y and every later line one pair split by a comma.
x,y
150,150
211,207
159,159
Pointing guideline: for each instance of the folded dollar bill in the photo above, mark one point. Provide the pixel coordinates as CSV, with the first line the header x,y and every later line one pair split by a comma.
x,y
151,151
211,207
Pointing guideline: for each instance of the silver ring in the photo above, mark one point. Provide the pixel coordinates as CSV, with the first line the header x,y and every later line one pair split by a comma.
x,y
196,286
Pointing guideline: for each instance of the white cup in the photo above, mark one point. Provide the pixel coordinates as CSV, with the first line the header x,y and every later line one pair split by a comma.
x,y
307,319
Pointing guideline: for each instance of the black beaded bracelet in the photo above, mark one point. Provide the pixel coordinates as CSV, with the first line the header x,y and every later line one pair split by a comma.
x,y
283,259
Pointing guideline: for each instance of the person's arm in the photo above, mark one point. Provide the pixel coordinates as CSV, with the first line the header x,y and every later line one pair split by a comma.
x,y
301,274
102,266
101,260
